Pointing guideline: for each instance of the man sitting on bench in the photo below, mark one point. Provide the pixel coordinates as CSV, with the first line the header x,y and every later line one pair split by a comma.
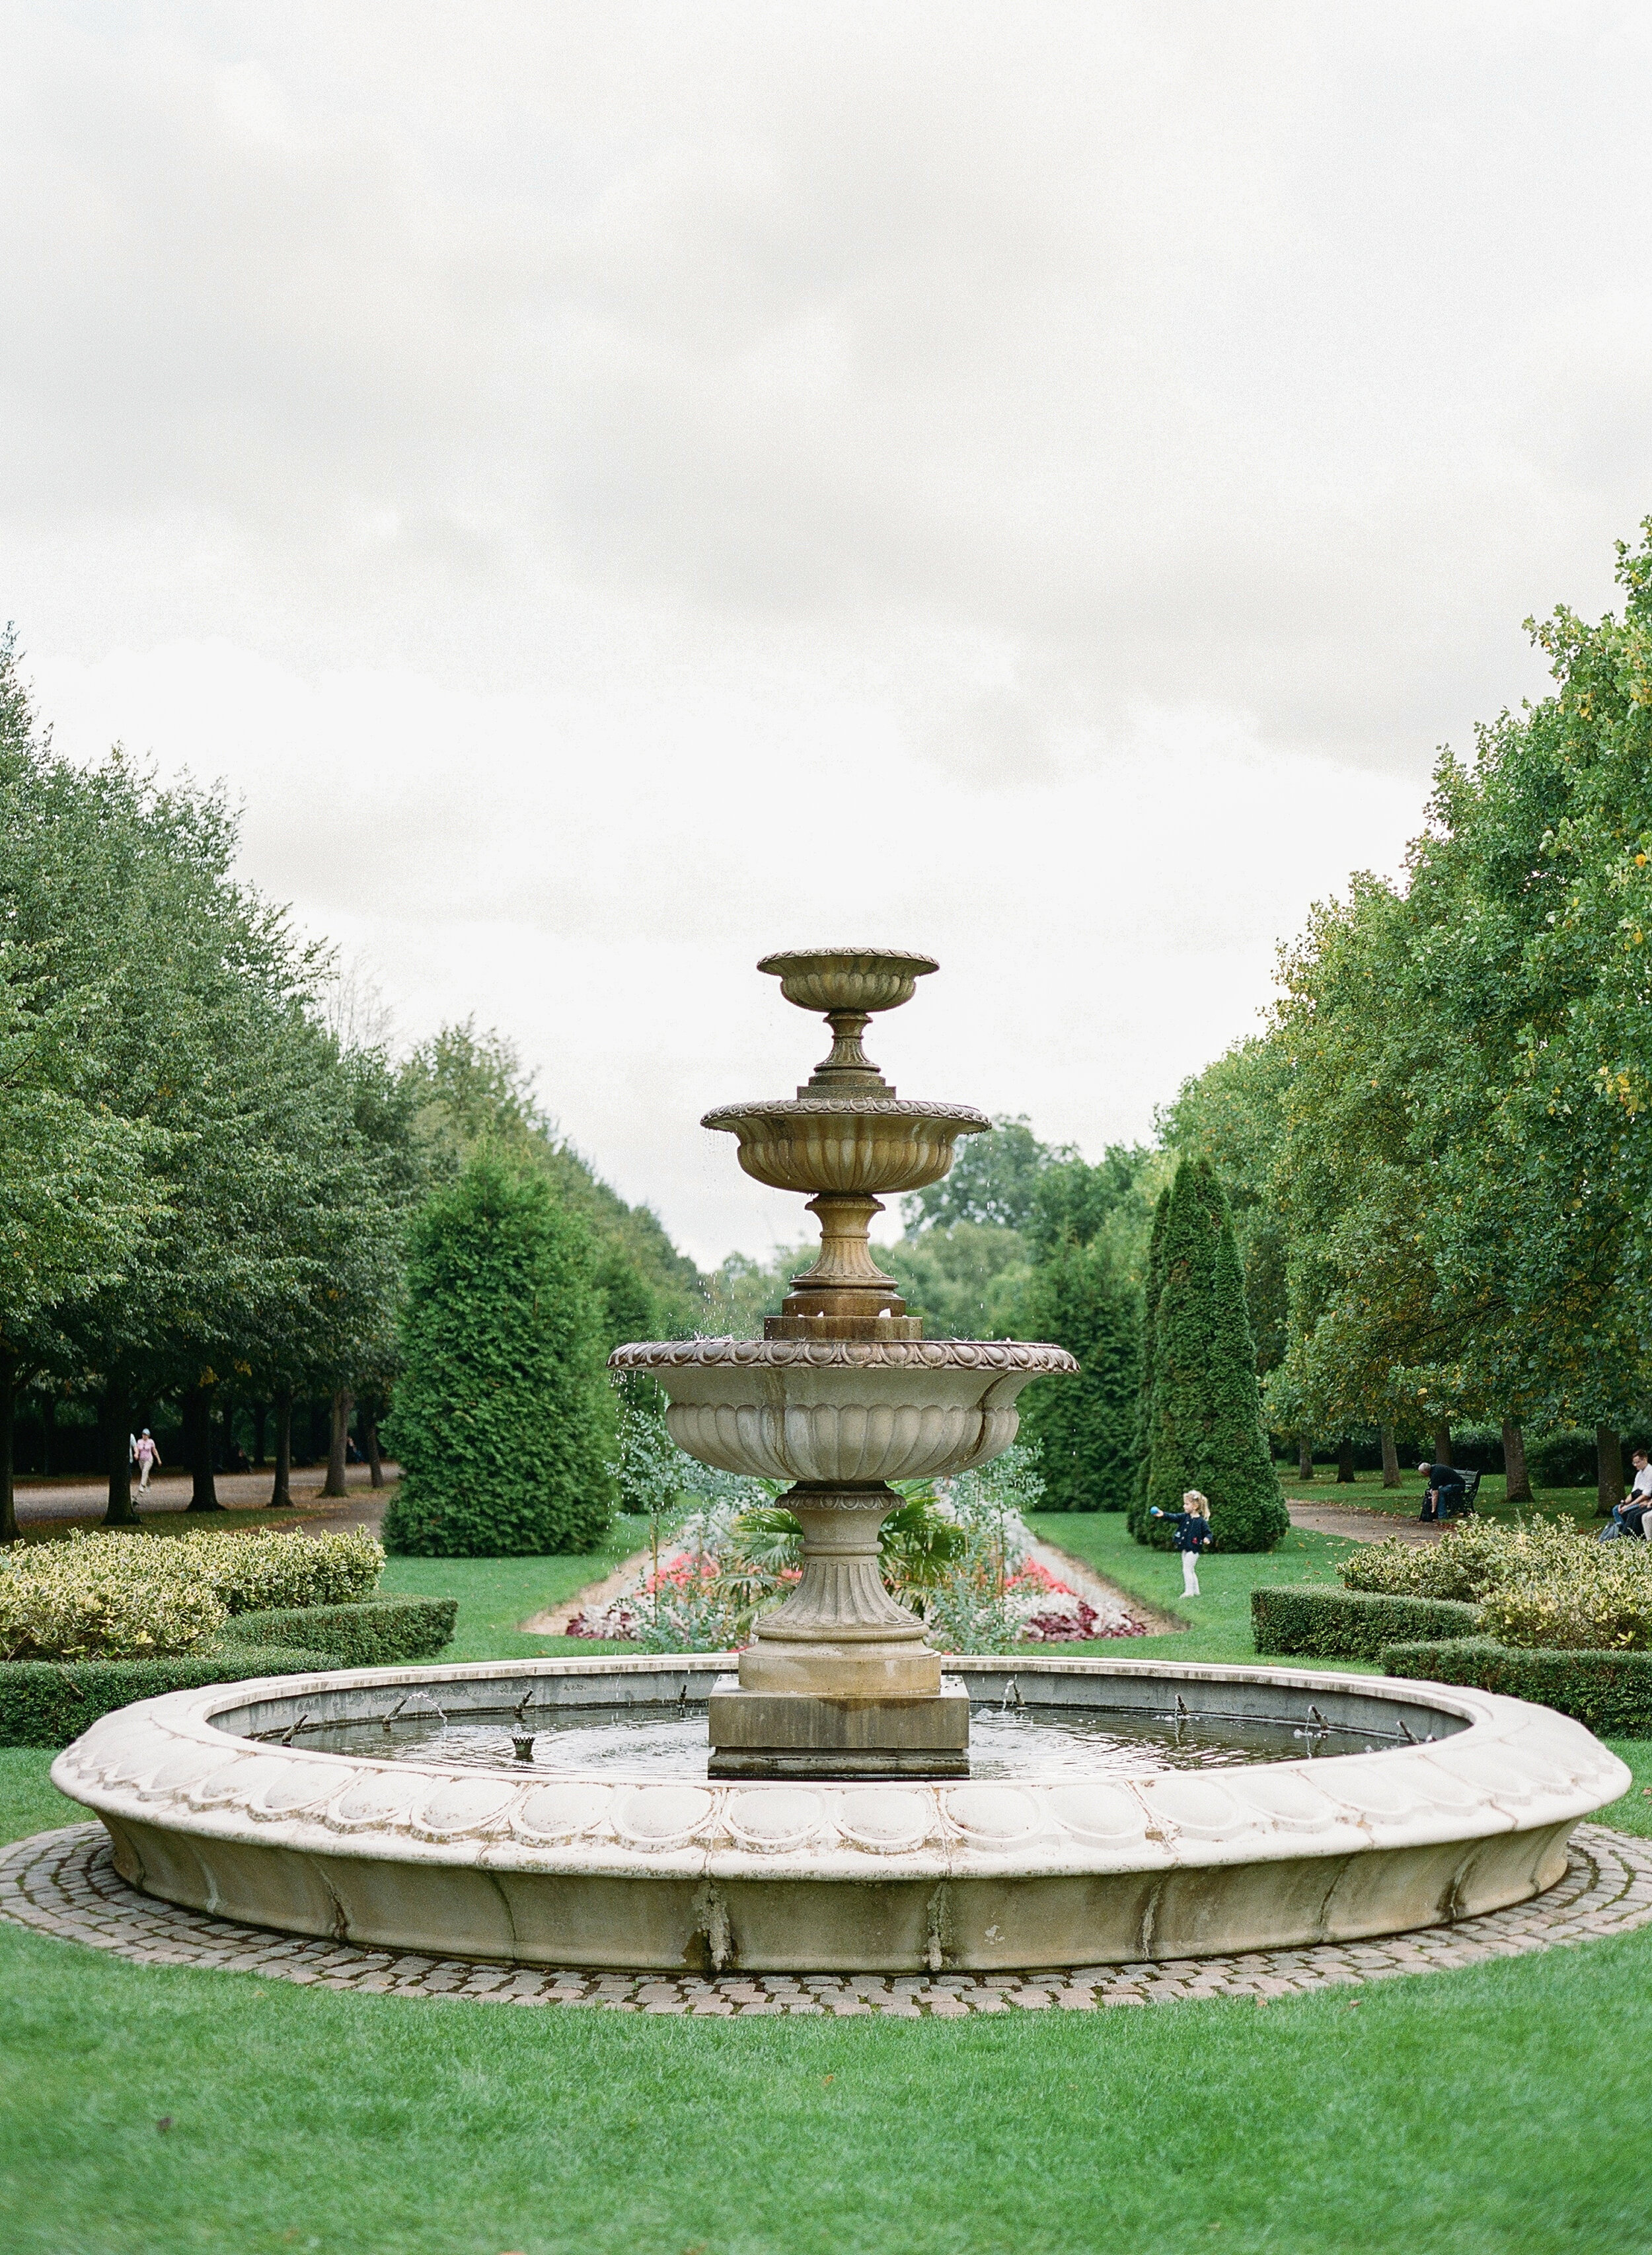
x,y
1630,1516
1445,1490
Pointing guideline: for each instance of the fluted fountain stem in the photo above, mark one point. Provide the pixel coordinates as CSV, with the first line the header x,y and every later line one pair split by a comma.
x,y
841,1631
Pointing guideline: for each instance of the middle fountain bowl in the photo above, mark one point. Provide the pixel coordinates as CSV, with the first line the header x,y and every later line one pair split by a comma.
x,y
842,1396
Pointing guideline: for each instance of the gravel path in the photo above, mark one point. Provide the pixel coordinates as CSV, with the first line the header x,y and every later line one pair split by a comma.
x,y
594,1598
1109,1600
1361,1525
82,1502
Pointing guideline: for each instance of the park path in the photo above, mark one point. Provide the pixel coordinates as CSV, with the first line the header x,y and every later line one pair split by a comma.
x,y
76,1502
594,1598
1360,1526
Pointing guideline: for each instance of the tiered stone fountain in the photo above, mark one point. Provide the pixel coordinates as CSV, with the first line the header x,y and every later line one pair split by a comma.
x,y
842,1394
565,1811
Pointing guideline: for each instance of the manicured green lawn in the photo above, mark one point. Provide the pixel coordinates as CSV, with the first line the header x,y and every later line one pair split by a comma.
x,y
1219,1619
1497,2111
496,1594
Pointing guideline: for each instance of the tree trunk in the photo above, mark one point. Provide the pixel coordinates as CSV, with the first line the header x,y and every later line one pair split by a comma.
x,y
227,1447
8,1432
337,1452
198,1441
48,1429
1608,1489
1442,1442
260,1419
367,1427
1345,1461
1517,1478
1304,1456
281,1494
115,1417
1390,1458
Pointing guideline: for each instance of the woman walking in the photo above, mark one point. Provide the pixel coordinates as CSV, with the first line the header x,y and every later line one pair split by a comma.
x,y
1191,1524
145,1456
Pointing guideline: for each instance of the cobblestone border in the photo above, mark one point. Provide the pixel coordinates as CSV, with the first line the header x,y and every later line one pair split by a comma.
x,y
66,1883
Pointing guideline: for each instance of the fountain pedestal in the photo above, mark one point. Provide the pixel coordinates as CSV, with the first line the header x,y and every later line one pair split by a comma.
x,y
838,1678
841,1395
798,1734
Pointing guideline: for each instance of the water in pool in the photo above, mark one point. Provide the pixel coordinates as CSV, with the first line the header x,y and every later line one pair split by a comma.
x,y
670,1741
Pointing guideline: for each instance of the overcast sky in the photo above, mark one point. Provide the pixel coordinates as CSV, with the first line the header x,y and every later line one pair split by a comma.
x,y
618,489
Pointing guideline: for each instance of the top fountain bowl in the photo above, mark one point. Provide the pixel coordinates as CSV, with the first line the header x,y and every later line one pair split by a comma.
x,y
827,978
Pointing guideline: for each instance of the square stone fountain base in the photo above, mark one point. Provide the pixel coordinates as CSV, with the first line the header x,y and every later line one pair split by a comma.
x,y
802,1734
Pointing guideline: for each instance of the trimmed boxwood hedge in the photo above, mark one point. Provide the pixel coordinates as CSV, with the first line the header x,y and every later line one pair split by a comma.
x,y
380,1631
1610,1691
46,1702
1332,1624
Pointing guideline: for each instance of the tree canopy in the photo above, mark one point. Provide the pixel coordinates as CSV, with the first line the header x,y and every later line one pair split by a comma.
x,y
207,1170
1441,1175
468,1091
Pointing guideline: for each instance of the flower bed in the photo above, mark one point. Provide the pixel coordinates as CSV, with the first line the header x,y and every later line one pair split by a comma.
x,y
960,1553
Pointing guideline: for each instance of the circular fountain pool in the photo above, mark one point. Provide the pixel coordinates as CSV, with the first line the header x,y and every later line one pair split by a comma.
x,y
1120,1810
1013,1740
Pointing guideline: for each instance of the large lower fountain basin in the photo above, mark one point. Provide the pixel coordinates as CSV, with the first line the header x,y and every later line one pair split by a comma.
x,y
1456,1802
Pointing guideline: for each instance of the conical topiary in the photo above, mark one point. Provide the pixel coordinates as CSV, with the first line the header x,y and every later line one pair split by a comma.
x,y
1204,1426
1085,1425
504,1417
1141,1452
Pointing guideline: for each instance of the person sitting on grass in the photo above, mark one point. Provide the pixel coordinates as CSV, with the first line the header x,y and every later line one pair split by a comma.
x,y
1191,1524
1445,1490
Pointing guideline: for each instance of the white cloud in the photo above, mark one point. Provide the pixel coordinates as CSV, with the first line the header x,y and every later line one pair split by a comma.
x,y
620,490
600,878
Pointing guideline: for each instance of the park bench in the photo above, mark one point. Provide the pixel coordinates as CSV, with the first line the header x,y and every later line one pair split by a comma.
x,y
1471,1489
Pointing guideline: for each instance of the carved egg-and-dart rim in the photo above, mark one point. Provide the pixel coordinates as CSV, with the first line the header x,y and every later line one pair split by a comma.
x,y
964,1118
1037,1358
782,960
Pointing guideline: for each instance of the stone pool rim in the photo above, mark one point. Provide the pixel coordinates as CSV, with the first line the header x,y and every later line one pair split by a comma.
x,y
781,1874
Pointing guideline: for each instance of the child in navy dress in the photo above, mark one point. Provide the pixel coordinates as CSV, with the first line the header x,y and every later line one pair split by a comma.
x,y
1191,1523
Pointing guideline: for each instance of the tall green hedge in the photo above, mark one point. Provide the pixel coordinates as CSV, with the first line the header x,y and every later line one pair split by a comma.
x,y
46,1702
380,1632
1086,1425
1610,1691
1347,1625
504,1419
1205,1428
